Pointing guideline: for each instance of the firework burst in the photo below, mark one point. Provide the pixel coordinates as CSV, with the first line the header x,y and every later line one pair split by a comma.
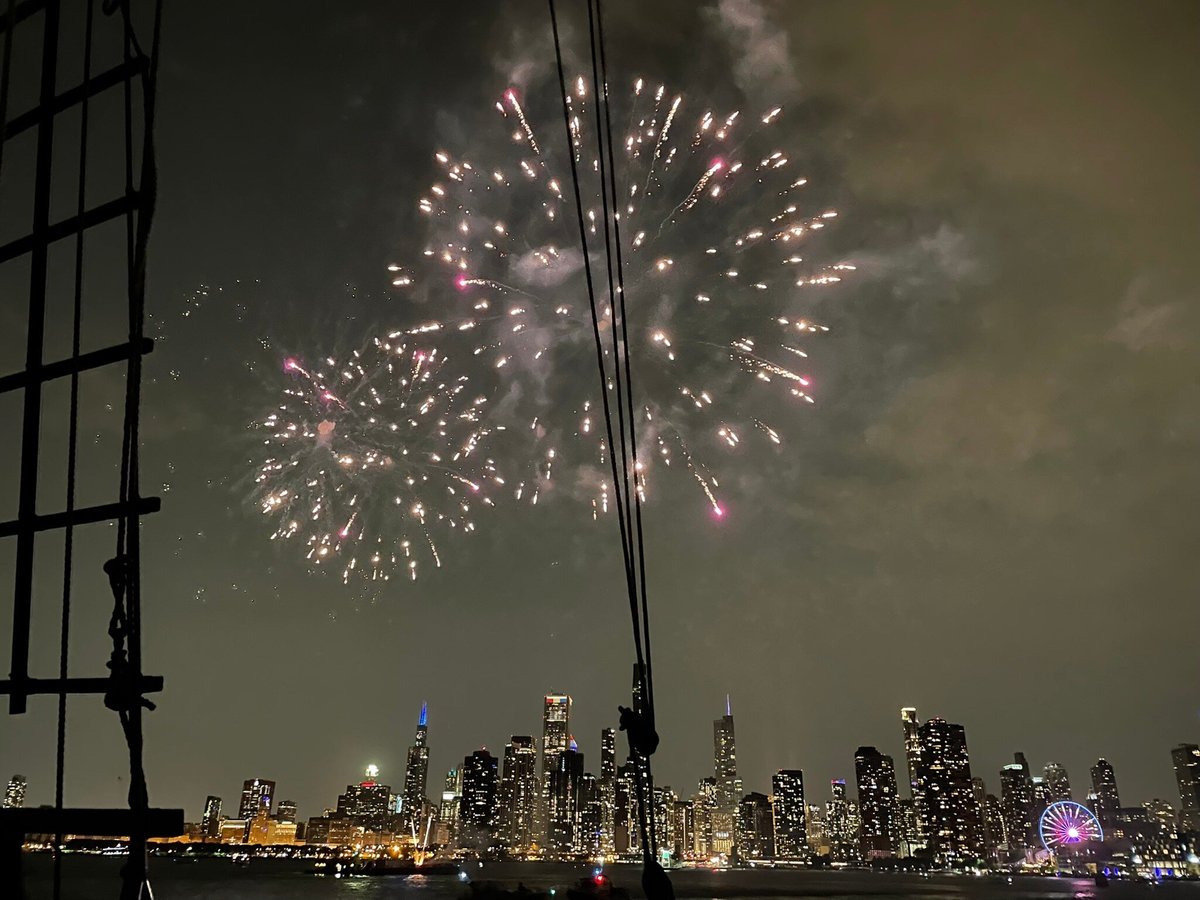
x,y
370,459
720,259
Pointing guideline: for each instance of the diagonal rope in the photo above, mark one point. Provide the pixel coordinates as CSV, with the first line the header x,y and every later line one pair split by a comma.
x,y
626,413
631,583
638,722
648,680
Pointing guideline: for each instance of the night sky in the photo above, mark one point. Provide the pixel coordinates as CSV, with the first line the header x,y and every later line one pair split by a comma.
x,y
990,513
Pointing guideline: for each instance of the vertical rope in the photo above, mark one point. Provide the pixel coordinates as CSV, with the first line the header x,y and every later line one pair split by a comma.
x,y
124,574
72,448
5,73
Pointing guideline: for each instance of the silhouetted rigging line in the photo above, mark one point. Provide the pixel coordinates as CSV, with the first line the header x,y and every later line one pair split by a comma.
x,y
587,268
648,681
72,447
643,739
608,189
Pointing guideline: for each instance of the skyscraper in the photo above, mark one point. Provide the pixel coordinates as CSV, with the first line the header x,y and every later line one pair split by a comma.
x,y
1041,799
607,787
728,786
787,814
703,802
518,794
210,822
1108,798
1017,803
626,831
415,793
256,795
755,834
589,819
556,723
448,809
285,811
1186,758
912,753
564,798
994,834
479,809
944,777
14,794
843,836
684,830
875,775
818,834
366,804
909,830
1058,785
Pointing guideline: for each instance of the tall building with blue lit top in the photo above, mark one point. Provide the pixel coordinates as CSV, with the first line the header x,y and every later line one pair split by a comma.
x,y
416,774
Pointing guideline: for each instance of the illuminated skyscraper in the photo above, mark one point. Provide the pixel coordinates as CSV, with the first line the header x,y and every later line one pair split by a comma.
x,y
912,755
448,809
556,724
366,804
1186,758
285,811
944,776
518,794
1017,803
626,831
479,810
607,786
909,831
664,817
1058,785
416,775
728,786
1108,798
256,796
14,794
564,798
787,814
210,822
755,833
589,820
703,802
994,835
818,835
839,827
608,754
875,775
683,830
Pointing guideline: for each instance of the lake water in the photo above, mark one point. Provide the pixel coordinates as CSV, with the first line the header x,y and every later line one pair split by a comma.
x,y
95,878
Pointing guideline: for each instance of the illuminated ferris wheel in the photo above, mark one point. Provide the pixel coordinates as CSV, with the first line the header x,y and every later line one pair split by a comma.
x,y
1067,824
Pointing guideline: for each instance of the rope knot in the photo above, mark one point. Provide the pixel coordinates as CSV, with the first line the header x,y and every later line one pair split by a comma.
x,y
123,692
643,739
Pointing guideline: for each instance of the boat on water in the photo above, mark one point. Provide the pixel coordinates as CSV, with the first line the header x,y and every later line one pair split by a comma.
x,y
354,868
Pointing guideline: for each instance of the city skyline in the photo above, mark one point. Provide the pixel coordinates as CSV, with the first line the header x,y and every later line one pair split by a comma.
x,y
868,770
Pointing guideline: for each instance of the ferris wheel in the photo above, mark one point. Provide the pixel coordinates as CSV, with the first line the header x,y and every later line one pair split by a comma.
x,y
1066,824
